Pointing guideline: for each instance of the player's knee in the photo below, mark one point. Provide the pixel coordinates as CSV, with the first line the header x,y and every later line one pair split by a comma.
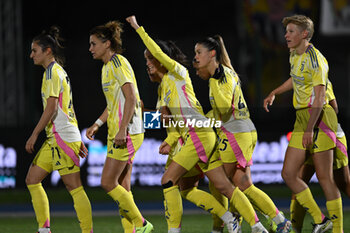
x,y
71,187
28,181
286,176
244,183
31,180
107,185
222,187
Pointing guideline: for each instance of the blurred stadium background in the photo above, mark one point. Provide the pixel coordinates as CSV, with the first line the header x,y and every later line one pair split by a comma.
x,y
254,38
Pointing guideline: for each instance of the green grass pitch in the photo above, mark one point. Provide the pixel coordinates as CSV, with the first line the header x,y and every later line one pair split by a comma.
x,y
191,223
199,221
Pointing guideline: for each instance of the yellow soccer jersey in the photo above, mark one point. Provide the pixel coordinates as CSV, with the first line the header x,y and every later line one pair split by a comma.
x,y
176,91
115,74
307,71
227,100
64,124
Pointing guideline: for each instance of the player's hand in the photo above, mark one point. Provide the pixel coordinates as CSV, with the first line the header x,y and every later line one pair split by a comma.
x,y
268,101
30,143
164,148
120,139
308,139
83,151
90,132
132,21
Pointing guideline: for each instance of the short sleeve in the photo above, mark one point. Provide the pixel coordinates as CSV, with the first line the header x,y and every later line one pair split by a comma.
x,y
318,68
319,76
53,85
121,71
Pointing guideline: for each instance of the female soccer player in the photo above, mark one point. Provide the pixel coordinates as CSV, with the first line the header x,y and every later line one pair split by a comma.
x,y
237,134
176,93
315,126
124,121
63,144
340,168
188,183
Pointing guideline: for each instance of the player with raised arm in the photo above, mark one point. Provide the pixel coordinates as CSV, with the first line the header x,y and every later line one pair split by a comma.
x,y
177,94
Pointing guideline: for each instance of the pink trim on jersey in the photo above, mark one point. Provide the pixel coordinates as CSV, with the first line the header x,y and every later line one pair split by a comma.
x,y
235,147
130,147
309,104
181,141
92,231
196,141
46,224
326,129
233,107
277,211
64,147
199,146
256,218
186,95
60,102
341,147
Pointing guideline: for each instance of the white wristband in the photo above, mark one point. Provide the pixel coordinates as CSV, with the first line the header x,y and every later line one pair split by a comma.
x,y
99,122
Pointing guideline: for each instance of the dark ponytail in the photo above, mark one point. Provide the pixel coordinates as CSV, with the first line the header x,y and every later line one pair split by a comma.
x,y
52,39
170,49
217,43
